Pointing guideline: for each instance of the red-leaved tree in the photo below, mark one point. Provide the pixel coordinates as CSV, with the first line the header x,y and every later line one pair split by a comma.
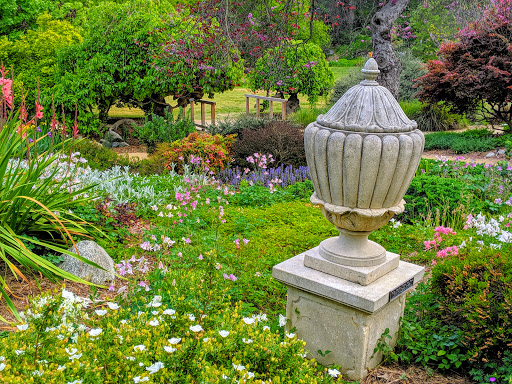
x,y
474,74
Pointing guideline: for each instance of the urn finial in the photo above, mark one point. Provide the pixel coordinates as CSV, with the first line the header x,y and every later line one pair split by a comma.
x,y
370,72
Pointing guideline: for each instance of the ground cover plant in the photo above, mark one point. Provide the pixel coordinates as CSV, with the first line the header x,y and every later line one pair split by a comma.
x,y
199,300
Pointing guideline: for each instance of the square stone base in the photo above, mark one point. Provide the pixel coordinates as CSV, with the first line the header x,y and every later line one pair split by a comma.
x,y
344,317
360,275
348,333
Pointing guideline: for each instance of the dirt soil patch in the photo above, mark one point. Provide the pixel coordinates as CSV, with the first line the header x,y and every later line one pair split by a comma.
x,y
395,374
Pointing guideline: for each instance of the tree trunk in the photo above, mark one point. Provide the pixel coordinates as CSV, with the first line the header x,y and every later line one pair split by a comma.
x,y
390,65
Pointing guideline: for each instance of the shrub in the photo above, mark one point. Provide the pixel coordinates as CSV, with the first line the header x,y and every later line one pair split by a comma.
x,y
439,200
474,291
306,116
434,118
162,129
411,108
237,125
37,195
213,151
411,69
282,139
468,141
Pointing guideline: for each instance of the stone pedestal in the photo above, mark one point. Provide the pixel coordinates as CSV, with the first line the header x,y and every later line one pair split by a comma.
x,y
333,314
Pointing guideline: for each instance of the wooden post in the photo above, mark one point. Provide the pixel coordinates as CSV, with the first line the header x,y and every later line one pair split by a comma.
x,y
271,109
258,108
246,106
213,114
192,110
283,110
203,117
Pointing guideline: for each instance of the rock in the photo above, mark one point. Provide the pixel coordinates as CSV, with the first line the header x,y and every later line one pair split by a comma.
x,y
91,251
501,152
121,144
113,137
106,143
490,154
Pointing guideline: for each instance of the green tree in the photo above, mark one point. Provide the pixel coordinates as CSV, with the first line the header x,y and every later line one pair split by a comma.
x,y
293,69
34,55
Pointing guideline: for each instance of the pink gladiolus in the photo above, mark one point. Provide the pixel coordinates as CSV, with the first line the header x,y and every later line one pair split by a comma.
x,y
39,111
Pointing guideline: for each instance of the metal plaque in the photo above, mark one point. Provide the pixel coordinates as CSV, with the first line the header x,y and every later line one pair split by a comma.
x,y
401,289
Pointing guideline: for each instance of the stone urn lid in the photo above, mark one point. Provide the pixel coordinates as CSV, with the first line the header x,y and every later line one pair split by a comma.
x,y
367,107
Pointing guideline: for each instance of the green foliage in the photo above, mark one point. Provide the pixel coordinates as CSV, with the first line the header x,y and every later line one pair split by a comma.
x,y
292,69
33,56
224,343
213,151
411,69
282,139
306,116
412,108
235,126
35,205
359,46
440,200
161,129
319,35
474,291
435,118
109,65
19,15
423,339
468,141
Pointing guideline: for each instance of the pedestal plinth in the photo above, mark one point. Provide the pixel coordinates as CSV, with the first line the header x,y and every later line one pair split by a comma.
x,y
346,318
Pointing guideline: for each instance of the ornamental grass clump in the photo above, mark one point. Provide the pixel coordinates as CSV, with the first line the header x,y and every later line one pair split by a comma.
x,y
38,193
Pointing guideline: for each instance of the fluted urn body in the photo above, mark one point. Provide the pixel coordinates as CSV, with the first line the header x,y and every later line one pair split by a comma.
x,y
362,155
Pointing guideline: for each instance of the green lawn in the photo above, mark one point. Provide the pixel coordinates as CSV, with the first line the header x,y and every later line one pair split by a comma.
x,y
229,104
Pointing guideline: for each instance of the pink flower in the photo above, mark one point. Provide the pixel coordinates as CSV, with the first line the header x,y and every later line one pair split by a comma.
x,y
144,285
245,241
200,257
39,110
237,242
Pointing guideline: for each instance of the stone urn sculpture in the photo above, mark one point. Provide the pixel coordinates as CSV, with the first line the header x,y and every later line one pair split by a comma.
x,y
362,155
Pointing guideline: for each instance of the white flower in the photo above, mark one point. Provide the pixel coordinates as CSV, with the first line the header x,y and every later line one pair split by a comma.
x,y
138,379
169,349
266,328
247,341
95,331
290,335
238,367
155,367
2,367
154,313
113,306
333,372
249,320
156,302
153,323
22,327
101,312
139,348
282,320
77,356
169,312
196,328
68,295
61,367
19,352
131,358
75,382
2,358
206,339
224,333
191,317
174,340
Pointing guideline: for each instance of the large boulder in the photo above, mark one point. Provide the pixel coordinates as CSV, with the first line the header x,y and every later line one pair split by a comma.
x,y
91,251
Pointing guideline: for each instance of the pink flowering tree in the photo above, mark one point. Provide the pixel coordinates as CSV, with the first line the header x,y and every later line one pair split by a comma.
x,y
293,69
474,74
